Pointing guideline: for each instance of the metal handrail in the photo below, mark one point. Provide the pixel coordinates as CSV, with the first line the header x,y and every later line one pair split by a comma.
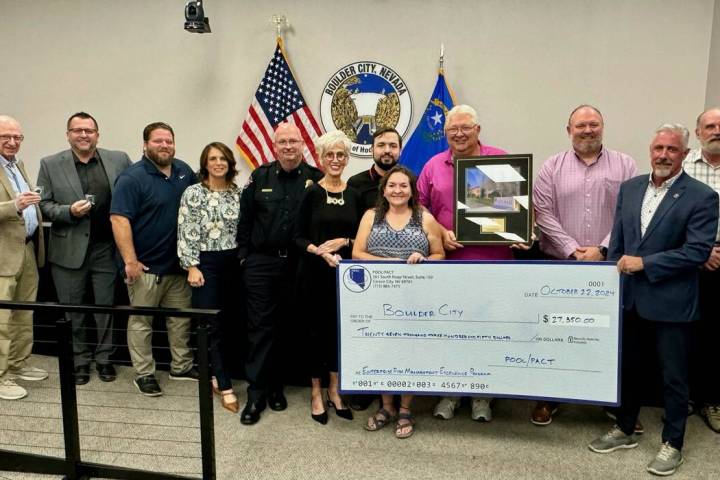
x,y
72,465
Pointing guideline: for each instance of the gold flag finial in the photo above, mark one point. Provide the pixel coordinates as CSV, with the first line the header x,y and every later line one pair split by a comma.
x,y
281,23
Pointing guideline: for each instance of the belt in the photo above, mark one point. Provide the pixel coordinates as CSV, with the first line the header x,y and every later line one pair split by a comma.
x,y
274,252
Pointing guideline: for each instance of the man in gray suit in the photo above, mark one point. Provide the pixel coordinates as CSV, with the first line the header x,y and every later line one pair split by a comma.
x,y
78,185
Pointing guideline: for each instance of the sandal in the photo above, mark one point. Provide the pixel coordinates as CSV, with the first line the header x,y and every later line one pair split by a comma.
x,y
381,418
406,422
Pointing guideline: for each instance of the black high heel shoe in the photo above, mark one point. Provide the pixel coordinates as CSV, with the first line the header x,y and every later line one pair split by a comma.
x,y
321,418
345,413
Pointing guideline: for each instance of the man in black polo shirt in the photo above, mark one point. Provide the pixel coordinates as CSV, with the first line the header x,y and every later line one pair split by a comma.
x,y
268,208
386,153
387,144
144,214
77,186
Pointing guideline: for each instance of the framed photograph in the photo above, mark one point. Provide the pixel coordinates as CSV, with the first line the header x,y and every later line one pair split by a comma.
x,y
493,201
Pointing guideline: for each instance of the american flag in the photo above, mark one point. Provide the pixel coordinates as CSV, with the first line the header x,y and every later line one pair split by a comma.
x,y
278,99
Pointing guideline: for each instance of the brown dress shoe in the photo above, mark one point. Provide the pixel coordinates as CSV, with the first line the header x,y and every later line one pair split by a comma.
x,y
543,413
229,402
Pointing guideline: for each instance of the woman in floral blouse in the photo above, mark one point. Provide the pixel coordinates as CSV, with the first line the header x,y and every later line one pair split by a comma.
x,y
207,227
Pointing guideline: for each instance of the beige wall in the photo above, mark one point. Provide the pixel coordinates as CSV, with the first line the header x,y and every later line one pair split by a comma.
x,y
522,63
712,99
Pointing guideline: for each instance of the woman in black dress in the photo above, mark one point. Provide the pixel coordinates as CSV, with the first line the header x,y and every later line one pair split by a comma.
x,y
327,221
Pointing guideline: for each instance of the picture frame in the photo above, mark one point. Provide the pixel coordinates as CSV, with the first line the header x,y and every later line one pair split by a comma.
x,y
493,199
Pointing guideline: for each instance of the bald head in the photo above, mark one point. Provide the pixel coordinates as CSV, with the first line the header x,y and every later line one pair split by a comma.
x,y
288,146
285,128
11,137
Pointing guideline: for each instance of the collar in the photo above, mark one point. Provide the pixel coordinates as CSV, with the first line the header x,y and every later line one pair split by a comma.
x,y
702,158
449,158
374,175
94,158
602,151
282,173
667,183
5,162
152,169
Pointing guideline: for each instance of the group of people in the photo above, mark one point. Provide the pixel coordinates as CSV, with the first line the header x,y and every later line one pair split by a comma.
x,y
196,239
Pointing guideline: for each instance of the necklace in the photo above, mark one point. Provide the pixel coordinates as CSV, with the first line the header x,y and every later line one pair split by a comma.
x,y
335,201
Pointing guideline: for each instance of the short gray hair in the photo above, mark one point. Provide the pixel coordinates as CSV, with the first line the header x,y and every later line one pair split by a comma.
x,y
328,140
7,119
459,109
699,118
677,129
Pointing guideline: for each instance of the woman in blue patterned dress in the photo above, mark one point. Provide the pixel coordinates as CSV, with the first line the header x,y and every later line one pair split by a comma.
x,y
207,227
398,228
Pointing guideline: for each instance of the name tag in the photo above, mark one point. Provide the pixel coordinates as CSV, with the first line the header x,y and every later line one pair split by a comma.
x,y
266,190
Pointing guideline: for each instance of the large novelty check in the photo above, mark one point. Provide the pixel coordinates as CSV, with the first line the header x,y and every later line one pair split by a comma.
x,y
508,329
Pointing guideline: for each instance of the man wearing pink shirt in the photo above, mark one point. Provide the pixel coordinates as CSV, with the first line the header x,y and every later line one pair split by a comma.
x,y
436,190
574,197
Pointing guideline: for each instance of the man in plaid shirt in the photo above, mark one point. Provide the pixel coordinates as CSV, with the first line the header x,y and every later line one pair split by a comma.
x,y
704,164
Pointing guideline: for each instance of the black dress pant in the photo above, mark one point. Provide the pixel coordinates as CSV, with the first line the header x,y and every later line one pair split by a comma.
x,y
671,342
219,270
270,289
705,381
318,297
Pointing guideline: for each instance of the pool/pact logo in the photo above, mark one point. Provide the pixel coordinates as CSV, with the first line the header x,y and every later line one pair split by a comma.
x,y
357,278
363,97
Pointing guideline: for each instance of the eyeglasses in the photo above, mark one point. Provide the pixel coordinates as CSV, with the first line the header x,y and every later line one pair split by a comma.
x,y
7,138
80,131
338,155
464,129
292,143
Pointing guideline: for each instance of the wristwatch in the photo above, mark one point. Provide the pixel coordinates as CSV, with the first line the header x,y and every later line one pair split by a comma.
x,y
603,250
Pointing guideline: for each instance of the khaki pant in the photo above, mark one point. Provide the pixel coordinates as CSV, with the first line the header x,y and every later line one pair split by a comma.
x,y
171,291
16,330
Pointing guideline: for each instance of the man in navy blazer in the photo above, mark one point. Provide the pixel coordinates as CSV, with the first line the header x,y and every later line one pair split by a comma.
x,y
663,232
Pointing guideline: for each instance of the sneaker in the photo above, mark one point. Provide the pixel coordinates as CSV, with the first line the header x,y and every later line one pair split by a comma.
x,y
148,386
615,439
711,415
31,374
666,461
189,374
445,408
481,409
9,390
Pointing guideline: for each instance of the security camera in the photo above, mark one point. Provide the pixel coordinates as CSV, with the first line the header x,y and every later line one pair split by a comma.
x,y
195,19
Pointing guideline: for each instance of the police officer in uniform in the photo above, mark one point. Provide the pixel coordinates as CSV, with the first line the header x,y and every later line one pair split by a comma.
x,y
268,208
